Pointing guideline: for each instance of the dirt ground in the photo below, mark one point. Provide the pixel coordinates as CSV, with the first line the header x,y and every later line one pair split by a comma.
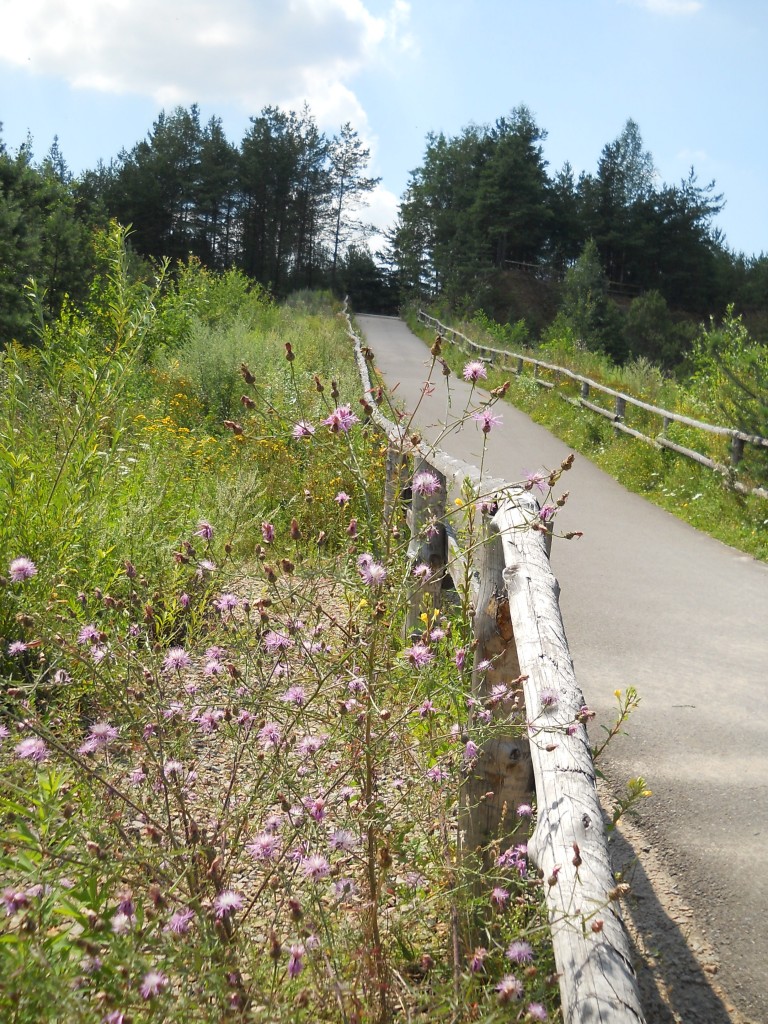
x,y
676,964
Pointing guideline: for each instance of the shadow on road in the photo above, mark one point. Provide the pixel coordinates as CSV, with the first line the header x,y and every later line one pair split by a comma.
x,y
674,986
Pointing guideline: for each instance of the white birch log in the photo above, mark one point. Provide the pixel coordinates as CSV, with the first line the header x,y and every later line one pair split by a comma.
x,y
592,953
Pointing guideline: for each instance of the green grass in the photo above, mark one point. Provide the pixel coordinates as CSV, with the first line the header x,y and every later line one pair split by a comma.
x,y
681,486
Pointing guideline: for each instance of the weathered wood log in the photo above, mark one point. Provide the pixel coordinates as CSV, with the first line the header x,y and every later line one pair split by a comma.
x,y
501,778
597,980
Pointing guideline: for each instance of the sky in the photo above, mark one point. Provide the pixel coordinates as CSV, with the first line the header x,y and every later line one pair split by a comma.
x,y
693,74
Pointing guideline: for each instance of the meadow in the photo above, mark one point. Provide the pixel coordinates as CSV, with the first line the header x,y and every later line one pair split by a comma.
x,y
229,783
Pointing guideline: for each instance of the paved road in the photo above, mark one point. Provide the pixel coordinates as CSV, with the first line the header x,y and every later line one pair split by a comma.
x,y
649,601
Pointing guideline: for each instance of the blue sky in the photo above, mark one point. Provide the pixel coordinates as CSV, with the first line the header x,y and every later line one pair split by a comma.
x,y
692,73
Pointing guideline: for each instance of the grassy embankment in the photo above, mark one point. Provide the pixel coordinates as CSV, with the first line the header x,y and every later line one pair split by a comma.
x,y
229,786
681,486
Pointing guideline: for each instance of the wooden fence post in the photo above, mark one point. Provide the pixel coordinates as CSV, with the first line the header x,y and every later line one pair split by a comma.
x,y
585,389
501,778
737,451
428,546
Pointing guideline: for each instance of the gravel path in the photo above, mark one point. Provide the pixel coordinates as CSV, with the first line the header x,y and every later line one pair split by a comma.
x,y
650,602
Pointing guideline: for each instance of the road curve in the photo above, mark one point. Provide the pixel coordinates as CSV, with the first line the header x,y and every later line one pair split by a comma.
x,y
648,601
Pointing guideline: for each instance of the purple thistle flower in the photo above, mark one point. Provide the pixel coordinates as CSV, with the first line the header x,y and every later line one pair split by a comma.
x,y
22,569
352,528
270,735
426,709
295,695
309,745
549,698
343,839
535,480
204,530
476,960
315,867
422,571
487,420
371,573
4,732
181,922
213,668
425,484
14,901
89,634
265,846
499,897
275,641
436,774
226,603
17,647
474,371
176,659
420,655
536,1011
226,903
547,513
295,961
460,658
153,984
510,989
115,1017
99,735
267,532
341,419
303,429
342,498
471,751
32,749
524,811
520,952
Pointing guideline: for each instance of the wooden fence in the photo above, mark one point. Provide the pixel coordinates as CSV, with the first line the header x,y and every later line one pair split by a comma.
x,y
518,627
516,362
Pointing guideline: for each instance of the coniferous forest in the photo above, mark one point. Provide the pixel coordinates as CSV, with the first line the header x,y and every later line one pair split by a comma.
x,y
632,263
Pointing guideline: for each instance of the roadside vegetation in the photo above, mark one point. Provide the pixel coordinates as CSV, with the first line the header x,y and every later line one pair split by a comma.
x,y
726,384
229,783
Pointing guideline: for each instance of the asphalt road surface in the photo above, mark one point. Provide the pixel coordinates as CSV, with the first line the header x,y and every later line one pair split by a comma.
x,y
648,601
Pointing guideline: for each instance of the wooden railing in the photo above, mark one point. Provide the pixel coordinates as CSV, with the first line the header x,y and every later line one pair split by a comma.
x,y
518,628
516,362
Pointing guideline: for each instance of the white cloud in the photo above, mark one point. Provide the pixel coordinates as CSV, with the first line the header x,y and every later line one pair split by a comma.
x,y
669,6
243,52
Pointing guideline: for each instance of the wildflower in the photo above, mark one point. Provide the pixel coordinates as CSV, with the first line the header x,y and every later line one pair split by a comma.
x,y
426,709
176,659
115,1017
352,528
510,989
295,695
22,569
99,735
226,603
342,498
549,698
499,897
436,774
536,1011
275,641
477,958
89,634
487,420
547,513
474,371
425,484
372,573
343,839
534,480
315,807
270,735
315,867
204,530
422,571
137,776
121,923
267,532
184,600
213,668
14,901
471,751
265,846
32,749
524,811
4,732
303,429
341,419
309,745
226,903
173,769
17,647
295,961
180,922
420,655
460,658
520,952
153,984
